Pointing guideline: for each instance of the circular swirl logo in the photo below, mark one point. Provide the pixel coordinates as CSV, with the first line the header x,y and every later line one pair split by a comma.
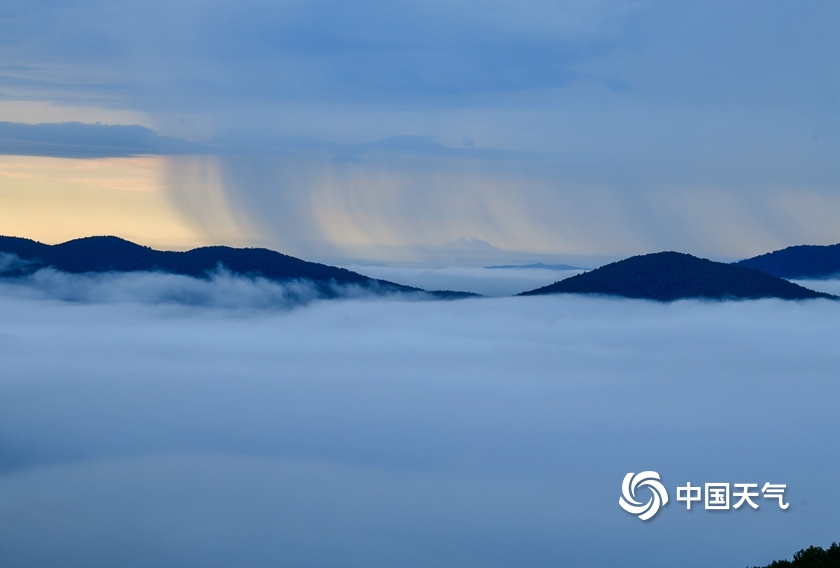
x,y
628,494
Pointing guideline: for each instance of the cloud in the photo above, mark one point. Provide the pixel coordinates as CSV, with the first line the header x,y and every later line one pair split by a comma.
x,y
220,290
233,62
492,431
413,199
223,50
829,286
348,203
710,129
487,282
78,140
11,264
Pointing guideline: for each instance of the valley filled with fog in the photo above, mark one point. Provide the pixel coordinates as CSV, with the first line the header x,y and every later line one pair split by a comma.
x,y
152,420
492,282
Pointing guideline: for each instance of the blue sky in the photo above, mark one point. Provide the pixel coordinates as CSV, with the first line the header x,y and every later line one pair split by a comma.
x,y
616,127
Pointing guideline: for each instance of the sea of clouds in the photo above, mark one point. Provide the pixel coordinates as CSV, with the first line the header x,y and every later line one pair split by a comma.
x,y
485,281
140,430
220,289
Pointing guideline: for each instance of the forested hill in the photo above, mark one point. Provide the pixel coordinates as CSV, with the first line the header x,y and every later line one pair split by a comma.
x,y
668,276
113,254
803,261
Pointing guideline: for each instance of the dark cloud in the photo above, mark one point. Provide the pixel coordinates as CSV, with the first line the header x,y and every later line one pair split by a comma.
x,y
178,54
77,140
326,50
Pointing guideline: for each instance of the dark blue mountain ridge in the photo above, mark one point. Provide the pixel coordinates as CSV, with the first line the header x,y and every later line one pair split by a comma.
x,y
669,276
113,254
802,261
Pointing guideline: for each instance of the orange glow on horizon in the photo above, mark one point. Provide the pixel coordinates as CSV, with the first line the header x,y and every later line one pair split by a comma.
x,y
53,200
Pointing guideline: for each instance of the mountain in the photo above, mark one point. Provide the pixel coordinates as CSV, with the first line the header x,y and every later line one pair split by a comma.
x,y
538,265
668,276
112,254
803,261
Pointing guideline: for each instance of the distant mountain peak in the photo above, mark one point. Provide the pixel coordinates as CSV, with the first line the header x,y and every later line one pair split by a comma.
x,y
539,265
801,261
114,254
668,276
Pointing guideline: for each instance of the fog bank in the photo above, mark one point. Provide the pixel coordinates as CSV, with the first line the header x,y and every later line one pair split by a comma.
x,y
221,289
487,432
484,281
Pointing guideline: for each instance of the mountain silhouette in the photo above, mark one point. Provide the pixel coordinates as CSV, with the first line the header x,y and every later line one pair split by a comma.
x,y
113,254
668,276
803,261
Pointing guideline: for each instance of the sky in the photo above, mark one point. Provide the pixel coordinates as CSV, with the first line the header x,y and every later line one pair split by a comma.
x,y
142,430
424,133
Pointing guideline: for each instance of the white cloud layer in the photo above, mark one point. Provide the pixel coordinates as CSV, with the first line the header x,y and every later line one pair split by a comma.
x,y
489,432
827,285
484,281
221,290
